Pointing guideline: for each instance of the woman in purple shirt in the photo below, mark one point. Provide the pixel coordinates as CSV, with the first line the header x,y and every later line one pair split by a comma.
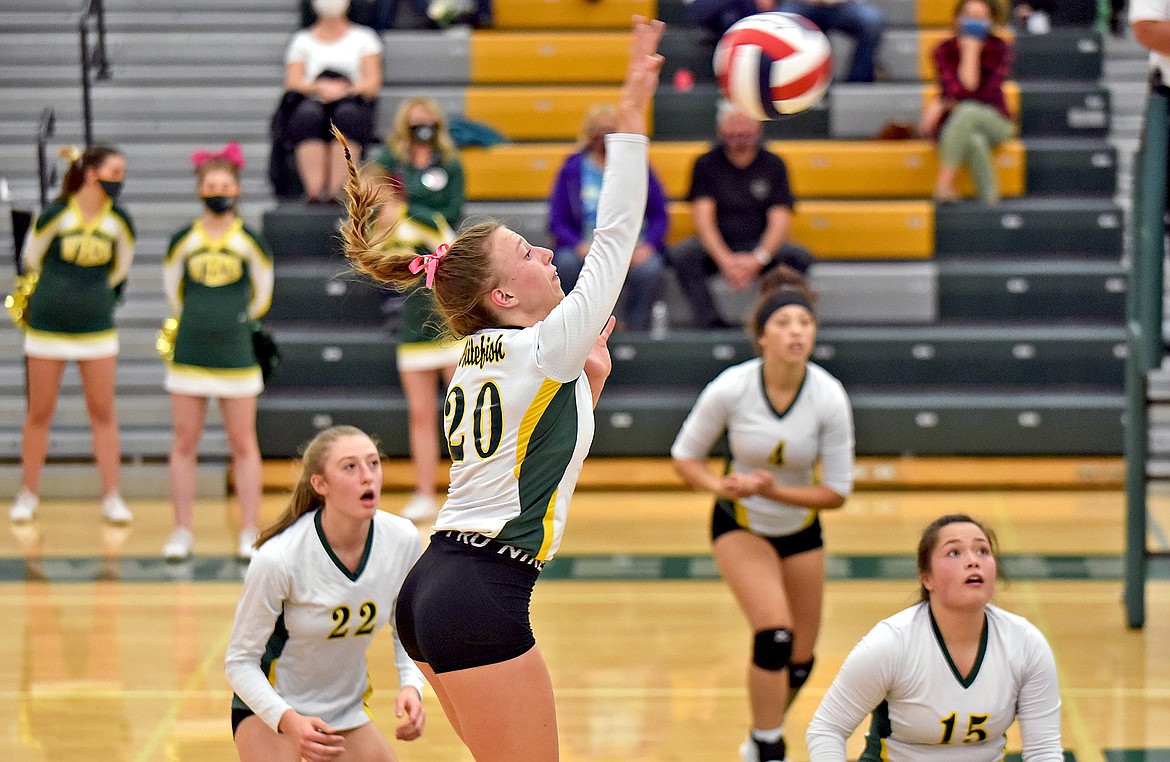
x,y
572,214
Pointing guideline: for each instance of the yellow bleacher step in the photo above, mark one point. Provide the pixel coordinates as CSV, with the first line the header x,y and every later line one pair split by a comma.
x,y
817,168
935,12
553,57
847,229
569,14
535,113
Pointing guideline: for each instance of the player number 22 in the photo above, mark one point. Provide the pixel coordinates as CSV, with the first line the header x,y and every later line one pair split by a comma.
x,y
368,612
975,734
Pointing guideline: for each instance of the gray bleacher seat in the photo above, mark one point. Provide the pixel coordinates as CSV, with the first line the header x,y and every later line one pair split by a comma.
x,y
1009,290
1081,226
335,359
981,423
1026,356
875,292
325,292
297,230
285,422
427,57
1060,166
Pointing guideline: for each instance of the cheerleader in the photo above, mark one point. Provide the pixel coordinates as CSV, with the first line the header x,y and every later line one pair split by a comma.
x,y
78,255
218,280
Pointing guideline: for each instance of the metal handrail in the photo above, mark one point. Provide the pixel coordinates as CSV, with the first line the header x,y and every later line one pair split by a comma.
x,y
93,20
46,170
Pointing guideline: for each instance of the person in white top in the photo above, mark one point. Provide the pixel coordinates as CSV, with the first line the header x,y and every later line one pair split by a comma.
x,y
1150,21
337,66
946,677
518,419
322,582
782,414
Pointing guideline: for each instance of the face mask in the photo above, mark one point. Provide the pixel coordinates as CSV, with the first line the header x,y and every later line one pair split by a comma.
x,y
111,188
977,28
330,8
219,204
423,133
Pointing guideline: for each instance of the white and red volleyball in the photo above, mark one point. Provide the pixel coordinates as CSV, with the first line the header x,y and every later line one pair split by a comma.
x,y
774,64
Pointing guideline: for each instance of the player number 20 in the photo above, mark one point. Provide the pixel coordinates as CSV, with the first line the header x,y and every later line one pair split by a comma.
x,y
487,421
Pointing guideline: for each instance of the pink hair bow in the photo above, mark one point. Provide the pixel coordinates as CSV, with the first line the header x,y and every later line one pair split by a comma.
x,y
430,263
231,153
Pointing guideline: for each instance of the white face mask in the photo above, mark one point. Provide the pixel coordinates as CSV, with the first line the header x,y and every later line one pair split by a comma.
x,y
330,8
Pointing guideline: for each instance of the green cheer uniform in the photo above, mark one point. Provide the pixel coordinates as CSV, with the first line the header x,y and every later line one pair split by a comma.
x,y
435,196
424,344
80,267
217,288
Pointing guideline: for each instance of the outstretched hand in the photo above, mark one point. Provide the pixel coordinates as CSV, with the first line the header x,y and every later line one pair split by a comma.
x,y
641,75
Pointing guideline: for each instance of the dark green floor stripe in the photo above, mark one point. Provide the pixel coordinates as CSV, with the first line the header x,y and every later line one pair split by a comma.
x,y
1137,755
593,567
1068,757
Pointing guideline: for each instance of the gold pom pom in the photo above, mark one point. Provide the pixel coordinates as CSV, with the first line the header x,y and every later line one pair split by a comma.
x,y
72,153
164,341
17,302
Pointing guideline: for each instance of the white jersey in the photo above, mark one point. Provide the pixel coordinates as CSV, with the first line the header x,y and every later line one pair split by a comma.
x,y
304,622
519,411
923,709
818,425
1153,10
343,55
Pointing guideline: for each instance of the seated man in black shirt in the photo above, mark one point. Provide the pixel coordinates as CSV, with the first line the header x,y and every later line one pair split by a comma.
x,y
742,209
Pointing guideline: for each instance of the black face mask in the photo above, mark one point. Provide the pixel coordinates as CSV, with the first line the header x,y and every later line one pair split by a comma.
x,y
112,188
219,204
424,133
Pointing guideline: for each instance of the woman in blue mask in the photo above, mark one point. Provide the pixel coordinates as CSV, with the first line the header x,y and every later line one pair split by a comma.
x,y
970,117
218,279
75,261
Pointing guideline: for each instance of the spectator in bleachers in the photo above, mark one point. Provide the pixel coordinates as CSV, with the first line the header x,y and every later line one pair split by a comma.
x,y
1150,20
765,530
218,280
855,18
741,204
1033,16
970,117
572,215
382,14
79,252
336,66
420,159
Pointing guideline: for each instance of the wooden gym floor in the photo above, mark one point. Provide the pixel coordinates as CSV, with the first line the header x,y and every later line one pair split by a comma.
x,y
108,653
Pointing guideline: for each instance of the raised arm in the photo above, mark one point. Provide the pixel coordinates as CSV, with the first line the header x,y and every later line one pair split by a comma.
x,y
570,331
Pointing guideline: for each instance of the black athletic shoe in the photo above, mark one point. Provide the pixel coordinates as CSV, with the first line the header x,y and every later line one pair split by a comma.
x,y
752,750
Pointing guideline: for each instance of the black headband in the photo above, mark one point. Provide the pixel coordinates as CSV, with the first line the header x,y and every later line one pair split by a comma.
x,y
781,298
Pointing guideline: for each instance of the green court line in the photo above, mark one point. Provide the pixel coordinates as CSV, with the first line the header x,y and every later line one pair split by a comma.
x,y
577,567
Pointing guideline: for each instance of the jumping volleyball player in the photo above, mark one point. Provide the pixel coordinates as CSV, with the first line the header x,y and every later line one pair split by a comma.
x,y
519,421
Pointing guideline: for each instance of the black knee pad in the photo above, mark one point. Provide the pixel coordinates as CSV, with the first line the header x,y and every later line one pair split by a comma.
x,y
772,649
798,674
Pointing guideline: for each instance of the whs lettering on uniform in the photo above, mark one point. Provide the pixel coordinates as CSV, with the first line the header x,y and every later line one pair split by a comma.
x,y
485,352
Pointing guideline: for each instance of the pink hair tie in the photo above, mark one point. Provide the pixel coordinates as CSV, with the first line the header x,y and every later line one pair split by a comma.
x,y
430,263
232,153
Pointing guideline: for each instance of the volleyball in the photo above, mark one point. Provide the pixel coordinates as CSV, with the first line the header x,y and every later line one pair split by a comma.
x,y
774,64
